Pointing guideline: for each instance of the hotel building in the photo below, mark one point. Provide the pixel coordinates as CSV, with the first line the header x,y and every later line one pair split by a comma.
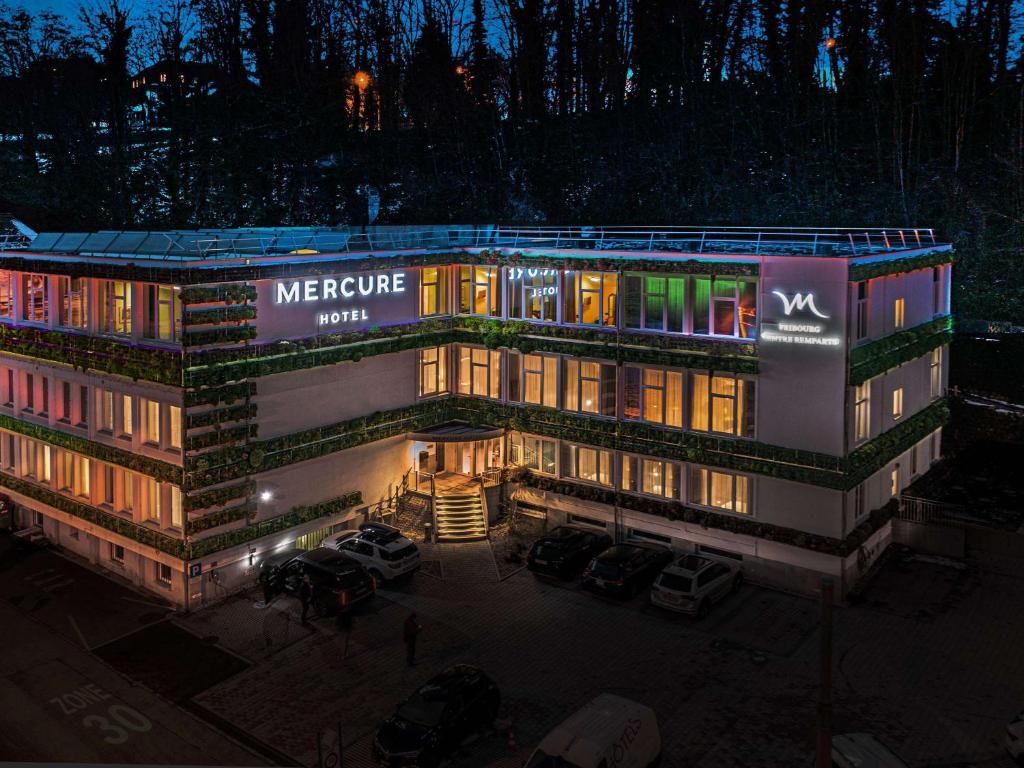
x,y
174,405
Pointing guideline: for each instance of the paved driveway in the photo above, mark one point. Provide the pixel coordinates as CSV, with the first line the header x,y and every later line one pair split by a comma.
x,y
930,662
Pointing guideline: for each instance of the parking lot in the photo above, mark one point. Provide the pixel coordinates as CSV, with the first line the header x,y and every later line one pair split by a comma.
x,y
929,661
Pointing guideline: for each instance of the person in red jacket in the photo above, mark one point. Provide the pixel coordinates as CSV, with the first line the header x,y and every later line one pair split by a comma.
x,y
409,633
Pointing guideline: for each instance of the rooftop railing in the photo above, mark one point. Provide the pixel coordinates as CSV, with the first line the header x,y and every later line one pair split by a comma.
x,y
221,244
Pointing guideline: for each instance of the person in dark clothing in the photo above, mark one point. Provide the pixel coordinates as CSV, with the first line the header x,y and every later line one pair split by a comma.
x,y
305,596
409,633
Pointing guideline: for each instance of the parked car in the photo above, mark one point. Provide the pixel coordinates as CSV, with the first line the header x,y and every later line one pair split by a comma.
x,y
382,549
1015,738
862,750
609,731
566,550
692,584
339,582
431,723
624,569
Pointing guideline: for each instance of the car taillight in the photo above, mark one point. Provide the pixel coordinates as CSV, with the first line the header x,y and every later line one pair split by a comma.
x,y
343,598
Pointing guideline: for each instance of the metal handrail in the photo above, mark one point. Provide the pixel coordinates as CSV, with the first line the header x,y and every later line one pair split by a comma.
x,y
754,241
433,508
483,505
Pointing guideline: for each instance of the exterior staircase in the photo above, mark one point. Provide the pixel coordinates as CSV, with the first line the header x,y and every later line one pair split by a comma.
x,y
460,517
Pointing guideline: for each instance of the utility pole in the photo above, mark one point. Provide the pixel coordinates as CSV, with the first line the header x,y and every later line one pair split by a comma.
x,y
824,750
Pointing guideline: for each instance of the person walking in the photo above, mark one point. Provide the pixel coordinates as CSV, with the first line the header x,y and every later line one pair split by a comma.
x,y
305,596
409,633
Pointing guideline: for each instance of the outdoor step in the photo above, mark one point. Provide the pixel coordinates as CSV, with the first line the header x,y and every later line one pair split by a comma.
x,y
461,537
460,528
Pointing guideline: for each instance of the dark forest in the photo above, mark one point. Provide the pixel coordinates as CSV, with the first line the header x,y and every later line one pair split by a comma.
x,y
329,112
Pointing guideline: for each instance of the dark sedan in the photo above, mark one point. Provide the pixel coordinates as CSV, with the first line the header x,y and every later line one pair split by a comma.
x,y
625,569
431,723
339,582
565,551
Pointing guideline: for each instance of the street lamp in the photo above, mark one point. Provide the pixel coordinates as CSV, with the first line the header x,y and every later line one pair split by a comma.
x,y
361,79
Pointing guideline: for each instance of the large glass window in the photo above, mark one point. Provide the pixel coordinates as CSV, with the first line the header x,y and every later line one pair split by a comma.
x,y
935,373
35,460
654,395
105,410
897,403
480,291
151,499
533,379
721,490
591,298
151,408
34,305
655,303
725,306
533,453
862,411
433,371
433,291
898,313
7,286
73,474
163,313
723,404
651,476
127,416
533,294
591,464
174,423
116,307
589,387
480,372
74,302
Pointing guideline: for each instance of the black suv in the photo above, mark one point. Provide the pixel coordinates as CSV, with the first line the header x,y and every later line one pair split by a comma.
x,y
625,568
565,551
431,723
339,582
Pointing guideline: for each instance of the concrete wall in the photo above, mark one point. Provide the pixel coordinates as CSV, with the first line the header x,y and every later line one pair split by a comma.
x,y
299,400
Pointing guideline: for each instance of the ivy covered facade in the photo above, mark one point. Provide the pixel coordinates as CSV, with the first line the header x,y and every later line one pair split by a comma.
x,y
174,421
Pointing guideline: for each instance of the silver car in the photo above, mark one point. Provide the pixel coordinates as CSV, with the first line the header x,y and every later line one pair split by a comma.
x,y
693,583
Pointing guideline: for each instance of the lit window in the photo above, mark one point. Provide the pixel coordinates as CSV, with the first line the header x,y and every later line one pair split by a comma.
x,y
116,307
433,291
654,395
162,313
533,453
433,371
935,373
589,387
725,306
898,309
894,481
34,308
862,411
127,420
897,403
650,476
7,291
176,508
480,291
591,298
721,490
74,302
117,553
106,410
723,404
590,464
152,421
151,499
533,379
163,573
174,423
480,372
127,492
533,294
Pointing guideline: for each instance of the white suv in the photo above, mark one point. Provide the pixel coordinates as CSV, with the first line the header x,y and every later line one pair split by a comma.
x,y
693,583
382,549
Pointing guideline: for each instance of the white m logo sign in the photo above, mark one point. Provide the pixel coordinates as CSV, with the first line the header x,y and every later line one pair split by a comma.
x,y
799,301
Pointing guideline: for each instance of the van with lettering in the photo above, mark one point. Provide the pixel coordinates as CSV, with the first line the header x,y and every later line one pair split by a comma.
x,y
609,732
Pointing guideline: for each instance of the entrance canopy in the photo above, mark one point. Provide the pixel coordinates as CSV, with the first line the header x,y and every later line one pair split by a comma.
x,y
456,432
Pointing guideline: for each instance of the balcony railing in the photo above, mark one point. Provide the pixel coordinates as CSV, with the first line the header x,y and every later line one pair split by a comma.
x,y
750,241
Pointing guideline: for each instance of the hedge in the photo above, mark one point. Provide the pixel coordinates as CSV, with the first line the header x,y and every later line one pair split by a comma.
x,y
871,270
226,436
140,533
297,516
221,517
220,416
227,335
876,453
122,358
677,511
227,314
161,470
229,293
217,496
225,394
892,351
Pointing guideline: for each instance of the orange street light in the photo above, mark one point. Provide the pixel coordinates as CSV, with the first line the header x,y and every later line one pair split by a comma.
x,y
361,79
830,43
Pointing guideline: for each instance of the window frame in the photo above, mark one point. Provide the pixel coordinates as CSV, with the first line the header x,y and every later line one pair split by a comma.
x,y
492,285
576,293
439,375
705,489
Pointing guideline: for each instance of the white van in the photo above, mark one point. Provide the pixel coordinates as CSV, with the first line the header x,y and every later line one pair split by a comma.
x,y
609,732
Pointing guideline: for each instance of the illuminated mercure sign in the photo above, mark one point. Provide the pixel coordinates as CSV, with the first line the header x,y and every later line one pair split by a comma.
x,y
351,292
796,331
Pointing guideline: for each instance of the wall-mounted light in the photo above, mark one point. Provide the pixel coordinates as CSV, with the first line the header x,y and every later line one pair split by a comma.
x,y
266,495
